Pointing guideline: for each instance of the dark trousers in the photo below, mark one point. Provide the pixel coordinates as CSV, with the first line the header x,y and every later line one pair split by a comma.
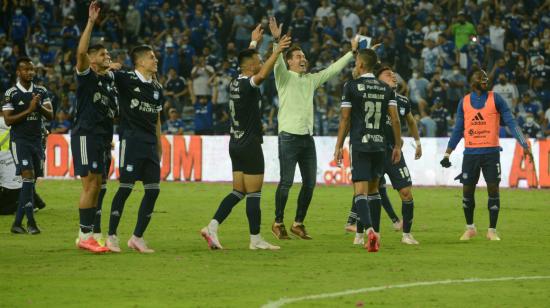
x,y
294,149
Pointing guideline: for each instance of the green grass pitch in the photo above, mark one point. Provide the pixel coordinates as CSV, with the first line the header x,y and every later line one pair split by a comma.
x,y
47,269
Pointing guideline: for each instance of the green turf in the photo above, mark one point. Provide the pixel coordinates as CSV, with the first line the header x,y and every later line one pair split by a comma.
x,y
47,270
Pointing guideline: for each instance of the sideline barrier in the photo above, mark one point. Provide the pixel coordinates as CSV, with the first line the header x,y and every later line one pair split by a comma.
x,y
206,158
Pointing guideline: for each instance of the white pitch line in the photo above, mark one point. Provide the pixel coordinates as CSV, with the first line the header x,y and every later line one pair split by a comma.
x,y
283,301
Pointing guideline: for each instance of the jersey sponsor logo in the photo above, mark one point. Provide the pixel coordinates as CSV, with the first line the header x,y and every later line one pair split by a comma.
x,y
465,175
25,162
20,103
144,106
134,103
94,165
402,111
374,138
360,87
137,89
156,95
130,168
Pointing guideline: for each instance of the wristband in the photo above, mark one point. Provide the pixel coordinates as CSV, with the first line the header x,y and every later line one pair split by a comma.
x,y
447,155
417,141
253,44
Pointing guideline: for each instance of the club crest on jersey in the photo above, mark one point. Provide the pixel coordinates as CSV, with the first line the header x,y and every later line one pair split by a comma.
x,y
94,165
360,87
20,103
25,162
402,111
465,176
134,103
156,95
97,97
130,168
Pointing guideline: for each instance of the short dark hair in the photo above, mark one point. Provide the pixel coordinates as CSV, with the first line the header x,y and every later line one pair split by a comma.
x,y
379,68
292,49
95,48
246,55
369,57
139,51
22,60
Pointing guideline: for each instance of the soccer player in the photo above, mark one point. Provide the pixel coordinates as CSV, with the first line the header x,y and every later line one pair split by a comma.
x,y
245,145
398,173
478,120
23,108
366,103
296,88
96,106
141,102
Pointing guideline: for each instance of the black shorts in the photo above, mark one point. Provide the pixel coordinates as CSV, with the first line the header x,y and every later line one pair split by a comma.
x,y
399,173
28,155
472,164
248,159
89,154
138,161
366,166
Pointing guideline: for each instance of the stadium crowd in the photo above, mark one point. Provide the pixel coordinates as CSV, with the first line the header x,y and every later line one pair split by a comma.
x,y
432,45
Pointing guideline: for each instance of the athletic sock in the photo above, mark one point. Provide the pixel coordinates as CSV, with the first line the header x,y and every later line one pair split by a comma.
x,y
407,208
352,218
26,203
386,203
227,205
469,204
117,207
97,218
363,213
86,219
150,196
375,206
253,212
494,207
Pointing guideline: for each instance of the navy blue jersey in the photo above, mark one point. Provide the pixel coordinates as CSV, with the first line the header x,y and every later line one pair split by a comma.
x,y
96,104
440,116
141,102
18,99
244,106
369,99
403,109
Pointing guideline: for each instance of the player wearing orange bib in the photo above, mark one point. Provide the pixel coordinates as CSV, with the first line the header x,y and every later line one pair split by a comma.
x,y
478,121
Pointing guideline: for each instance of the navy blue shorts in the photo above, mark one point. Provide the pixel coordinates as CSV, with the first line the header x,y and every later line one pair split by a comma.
x,y
28,155
473,164
399,173
366,166
89,155
248,159
138,161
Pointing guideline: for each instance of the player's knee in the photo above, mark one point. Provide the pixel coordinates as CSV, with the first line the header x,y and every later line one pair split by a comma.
x,y
285,184
492,189
406,194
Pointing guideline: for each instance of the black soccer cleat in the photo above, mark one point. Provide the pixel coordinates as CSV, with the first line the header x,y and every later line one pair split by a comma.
x,y
33,229
15,229
39,204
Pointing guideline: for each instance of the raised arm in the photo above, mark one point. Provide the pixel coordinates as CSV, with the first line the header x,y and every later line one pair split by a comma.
x,y
267,67
281,72
82,60
336,67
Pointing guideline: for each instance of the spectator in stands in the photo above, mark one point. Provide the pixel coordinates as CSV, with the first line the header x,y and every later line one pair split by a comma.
x,y
473,51
174,124
324,10
61,124
462,30
446,54
20,29
112,27
132,24
418,91
349,20
438,87
175,90
414,44
540,70
528,105
170,58
542,93
507,90
186,53
458,84
200,75
47,56
531,128
300,29
242,25
497,34
441,116
203,116
70,33
220,98
429,56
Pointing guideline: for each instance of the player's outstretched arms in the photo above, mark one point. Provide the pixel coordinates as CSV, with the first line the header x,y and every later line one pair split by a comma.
x,y
82,60
267,67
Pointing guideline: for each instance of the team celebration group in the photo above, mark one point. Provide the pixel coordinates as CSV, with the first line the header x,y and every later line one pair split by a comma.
x,y
371,113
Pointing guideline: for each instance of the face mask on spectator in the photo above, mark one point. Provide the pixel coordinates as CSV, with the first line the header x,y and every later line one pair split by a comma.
x,y
521,64
529,120
456,72
536,44
415,75
433,27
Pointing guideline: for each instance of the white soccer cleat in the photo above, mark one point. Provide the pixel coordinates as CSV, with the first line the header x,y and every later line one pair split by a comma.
x,y
113,243
409,239
359,239
468,234
492,235
259,243
398,226
211,237
139,245
99,239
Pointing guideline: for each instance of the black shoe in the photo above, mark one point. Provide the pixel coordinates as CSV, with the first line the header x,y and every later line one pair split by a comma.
x,y
39,204
15,229
33,229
